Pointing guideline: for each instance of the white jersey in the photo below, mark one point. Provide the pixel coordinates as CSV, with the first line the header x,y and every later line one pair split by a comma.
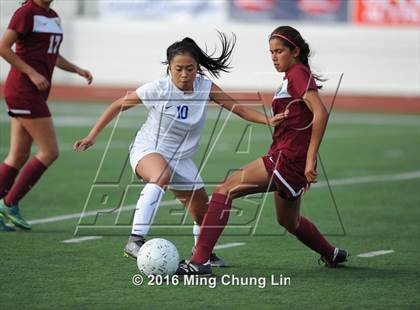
x,y
175,120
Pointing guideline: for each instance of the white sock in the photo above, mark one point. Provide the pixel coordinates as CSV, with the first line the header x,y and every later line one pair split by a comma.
x,y
146,209
196,232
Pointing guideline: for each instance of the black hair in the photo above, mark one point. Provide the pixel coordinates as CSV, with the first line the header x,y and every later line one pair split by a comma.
x,y
214,65
294,39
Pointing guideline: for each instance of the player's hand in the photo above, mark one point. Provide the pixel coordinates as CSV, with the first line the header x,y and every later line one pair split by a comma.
x,y
310,171
278,118
39,80
84,144
86,74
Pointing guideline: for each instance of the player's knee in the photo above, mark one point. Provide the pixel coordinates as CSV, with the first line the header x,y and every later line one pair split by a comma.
x,y
49,156
53,155
161,179
21,158
17,160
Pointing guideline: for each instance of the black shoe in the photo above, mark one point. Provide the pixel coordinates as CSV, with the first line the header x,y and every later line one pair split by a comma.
x,y
339,256
189,268
133,246
215,261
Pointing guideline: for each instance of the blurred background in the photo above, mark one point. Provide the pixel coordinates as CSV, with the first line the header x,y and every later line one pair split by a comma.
x,y
374,43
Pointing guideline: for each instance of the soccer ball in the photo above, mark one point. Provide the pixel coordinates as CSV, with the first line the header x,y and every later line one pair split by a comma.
x,y
158,257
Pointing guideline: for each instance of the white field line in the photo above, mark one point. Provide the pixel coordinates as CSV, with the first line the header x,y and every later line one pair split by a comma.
x,y
371,179
93,213
338,182
81,239
375,253
229,245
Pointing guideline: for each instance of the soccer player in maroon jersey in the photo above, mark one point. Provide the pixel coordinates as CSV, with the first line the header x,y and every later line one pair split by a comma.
x,y
36,30
290,165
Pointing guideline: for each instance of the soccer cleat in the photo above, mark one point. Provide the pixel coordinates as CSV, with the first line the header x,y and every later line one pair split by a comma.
x,y
215,261
186,268
13,214
6,224
133,246
339,256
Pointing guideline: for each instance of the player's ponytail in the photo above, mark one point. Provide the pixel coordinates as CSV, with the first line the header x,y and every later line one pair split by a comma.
x,y
214,65
293,39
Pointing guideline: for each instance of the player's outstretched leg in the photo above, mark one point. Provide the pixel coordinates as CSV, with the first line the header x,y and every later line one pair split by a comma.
x,y
288,216
146,208
215,260
196,203
154,169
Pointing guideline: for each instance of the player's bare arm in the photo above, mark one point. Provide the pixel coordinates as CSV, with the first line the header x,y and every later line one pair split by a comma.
x,y
220,97
320,118
6,42
66,65
119,105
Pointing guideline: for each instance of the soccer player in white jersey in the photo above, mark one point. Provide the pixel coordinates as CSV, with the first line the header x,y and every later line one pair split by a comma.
x,y
162,151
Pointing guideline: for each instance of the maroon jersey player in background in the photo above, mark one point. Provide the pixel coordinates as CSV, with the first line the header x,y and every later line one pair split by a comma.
x,y
36,29
290,162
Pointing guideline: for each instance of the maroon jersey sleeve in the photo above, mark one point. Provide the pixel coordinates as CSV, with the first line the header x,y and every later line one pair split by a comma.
x,y
300,81
22,21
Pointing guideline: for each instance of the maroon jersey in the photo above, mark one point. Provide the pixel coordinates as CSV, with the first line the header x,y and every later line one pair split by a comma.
x,y
40,36
292,143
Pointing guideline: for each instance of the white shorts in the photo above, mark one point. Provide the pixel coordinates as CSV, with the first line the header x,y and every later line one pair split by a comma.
x,y
185,175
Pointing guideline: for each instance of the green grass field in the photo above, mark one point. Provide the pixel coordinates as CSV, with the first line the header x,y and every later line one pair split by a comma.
x,y
373,161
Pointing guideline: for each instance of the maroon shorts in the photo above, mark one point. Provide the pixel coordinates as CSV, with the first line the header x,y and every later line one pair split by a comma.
x,y
33,106
288,175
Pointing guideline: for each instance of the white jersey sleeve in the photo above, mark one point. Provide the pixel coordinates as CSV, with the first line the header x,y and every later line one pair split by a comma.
x,y
150,94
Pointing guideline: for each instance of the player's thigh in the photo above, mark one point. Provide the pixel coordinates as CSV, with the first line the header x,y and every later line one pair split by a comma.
x,y
43,133
252,178
20,144
154,168
196,202
287,211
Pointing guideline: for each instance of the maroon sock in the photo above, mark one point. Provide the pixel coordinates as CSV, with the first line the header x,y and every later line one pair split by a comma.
x,y
29,175
309,235
7,178
212,226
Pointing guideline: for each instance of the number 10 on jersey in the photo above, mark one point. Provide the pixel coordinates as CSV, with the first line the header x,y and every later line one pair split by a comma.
x,y
182,111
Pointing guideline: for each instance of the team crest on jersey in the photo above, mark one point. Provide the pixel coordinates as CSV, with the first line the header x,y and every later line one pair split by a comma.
x,y
44,24
282,91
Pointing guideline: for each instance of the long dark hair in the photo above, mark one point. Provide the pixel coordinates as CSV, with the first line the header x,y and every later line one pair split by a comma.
x,y
214,65
291,38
